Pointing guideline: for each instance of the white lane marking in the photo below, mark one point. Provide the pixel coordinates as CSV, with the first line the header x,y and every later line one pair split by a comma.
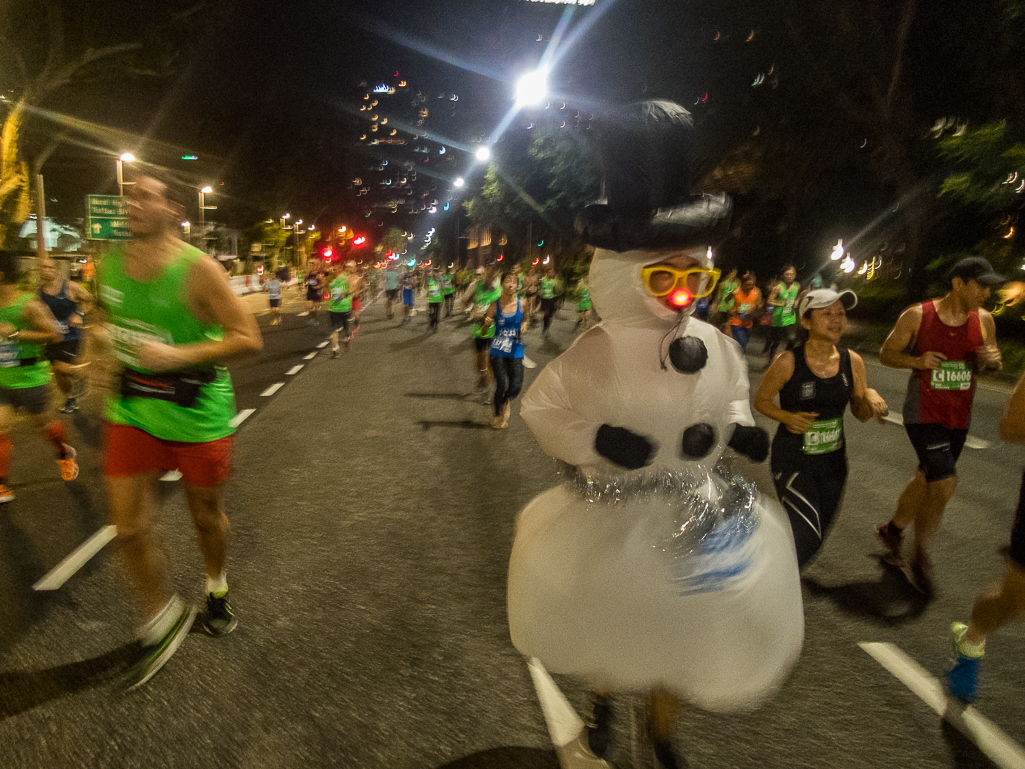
x,y
241,417
272,389
1001,749
322,345
294,370
564,725
311,356
75,560
171,476
971,441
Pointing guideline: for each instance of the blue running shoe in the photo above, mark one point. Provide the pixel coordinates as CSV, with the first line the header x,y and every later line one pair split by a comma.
x,y
963,677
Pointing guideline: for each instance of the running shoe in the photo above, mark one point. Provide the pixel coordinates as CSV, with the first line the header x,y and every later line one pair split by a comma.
x,y
963,677
6,495
69,407
486,396
599,728
68,466
220,619
496,422
155,656
893,539
334,353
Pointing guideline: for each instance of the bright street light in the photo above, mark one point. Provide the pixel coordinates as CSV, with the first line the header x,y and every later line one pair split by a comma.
x,y
207,190
483,154
126,157
459,182
532,88
286,216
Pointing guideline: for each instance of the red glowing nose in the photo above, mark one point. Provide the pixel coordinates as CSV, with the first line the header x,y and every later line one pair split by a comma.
x,y
681,297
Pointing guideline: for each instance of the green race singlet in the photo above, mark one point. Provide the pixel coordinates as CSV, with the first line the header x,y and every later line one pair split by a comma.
x,y
784,315
156,310
13,375
340,301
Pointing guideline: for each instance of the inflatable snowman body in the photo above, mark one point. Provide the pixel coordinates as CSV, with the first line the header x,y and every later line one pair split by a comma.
x,y
679,574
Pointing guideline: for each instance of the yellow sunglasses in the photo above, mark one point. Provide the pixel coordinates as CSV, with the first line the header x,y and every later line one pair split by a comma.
x,y
660,279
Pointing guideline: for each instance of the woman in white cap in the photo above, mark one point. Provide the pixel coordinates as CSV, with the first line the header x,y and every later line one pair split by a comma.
x,y
815,383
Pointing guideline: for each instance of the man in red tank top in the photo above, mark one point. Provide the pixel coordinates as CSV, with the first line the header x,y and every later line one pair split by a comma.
x,y
945,342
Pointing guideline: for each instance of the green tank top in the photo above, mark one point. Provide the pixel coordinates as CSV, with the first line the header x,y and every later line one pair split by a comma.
x,y
785,314
547,288
434,291
14,376
728,288
483,298
157,310
339,301
583,296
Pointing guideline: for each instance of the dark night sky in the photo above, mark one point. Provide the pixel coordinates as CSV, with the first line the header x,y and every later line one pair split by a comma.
x,y
264,92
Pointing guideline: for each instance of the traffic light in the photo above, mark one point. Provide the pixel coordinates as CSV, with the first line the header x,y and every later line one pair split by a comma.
x,y
359,240
327,253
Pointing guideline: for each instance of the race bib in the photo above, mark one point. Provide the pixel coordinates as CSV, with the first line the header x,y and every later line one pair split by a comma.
x,y
952,375
824,437
504,341
8,355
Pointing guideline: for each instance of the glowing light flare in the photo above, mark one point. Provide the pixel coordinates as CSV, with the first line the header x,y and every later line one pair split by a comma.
x,y
847,265
864,268
532,88
1010,234
837,252
547,260
127,157
483,154
535,262
359,241
681,297
500,258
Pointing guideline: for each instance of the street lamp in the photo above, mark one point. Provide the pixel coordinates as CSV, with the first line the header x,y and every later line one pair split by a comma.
x,y
459,182
126,157
483,154
203,208
532,88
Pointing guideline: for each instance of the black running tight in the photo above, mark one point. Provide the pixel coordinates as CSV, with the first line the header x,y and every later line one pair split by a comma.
x,y
811,499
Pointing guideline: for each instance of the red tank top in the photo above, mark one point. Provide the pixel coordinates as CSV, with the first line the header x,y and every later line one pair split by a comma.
x,y
944,396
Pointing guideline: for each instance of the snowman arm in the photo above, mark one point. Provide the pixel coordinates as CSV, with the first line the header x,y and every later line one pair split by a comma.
x,y
740,406
561,431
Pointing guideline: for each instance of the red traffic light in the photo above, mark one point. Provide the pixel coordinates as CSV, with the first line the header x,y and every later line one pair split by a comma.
x,y
359,241
328,252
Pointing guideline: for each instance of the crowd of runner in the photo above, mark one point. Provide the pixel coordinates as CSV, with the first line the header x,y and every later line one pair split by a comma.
x,y
171,325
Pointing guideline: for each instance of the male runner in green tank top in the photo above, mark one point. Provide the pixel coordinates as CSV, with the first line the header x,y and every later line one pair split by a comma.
x,y
26,325
783,301
172,319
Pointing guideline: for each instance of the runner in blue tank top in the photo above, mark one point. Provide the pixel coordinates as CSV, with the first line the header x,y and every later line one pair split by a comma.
x,y
506,348
815,382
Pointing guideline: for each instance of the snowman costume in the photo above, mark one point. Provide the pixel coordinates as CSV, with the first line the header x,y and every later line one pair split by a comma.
x,y
677,574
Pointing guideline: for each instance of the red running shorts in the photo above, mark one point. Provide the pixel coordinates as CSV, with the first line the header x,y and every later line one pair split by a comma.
x,y
129,451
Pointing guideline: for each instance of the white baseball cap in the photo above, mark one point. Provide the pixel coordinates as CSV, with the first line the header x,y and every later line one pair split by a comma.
x,y
819,298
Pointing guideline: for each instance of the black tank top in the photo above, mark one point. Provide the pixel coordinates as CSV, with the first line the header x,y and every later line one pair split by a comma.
x,y
825,443
61,305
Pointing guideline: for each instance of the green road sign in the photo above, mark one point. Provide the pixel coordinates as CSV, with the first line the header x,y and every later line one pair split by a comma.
x,y
108,217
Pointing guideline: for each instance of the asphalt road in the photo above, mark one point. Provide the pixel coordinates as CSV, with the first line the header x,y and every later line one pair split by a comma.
x,y
373,510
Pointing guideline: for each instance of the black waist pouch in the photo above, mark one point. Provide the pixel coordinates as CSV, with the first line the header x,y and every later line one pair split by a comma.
x,y
181,387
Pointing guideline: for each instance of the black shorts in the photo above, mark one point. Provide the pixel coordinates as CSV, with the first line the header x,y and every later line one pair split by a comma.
x,y
29,399
392,293
480,345
340,320
275,302
938,449
66,351
1018,531
313,296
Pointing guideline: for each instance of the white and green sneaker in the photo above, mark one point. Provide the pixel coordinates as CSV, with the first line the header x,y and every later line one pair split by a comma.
x,y
155,656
